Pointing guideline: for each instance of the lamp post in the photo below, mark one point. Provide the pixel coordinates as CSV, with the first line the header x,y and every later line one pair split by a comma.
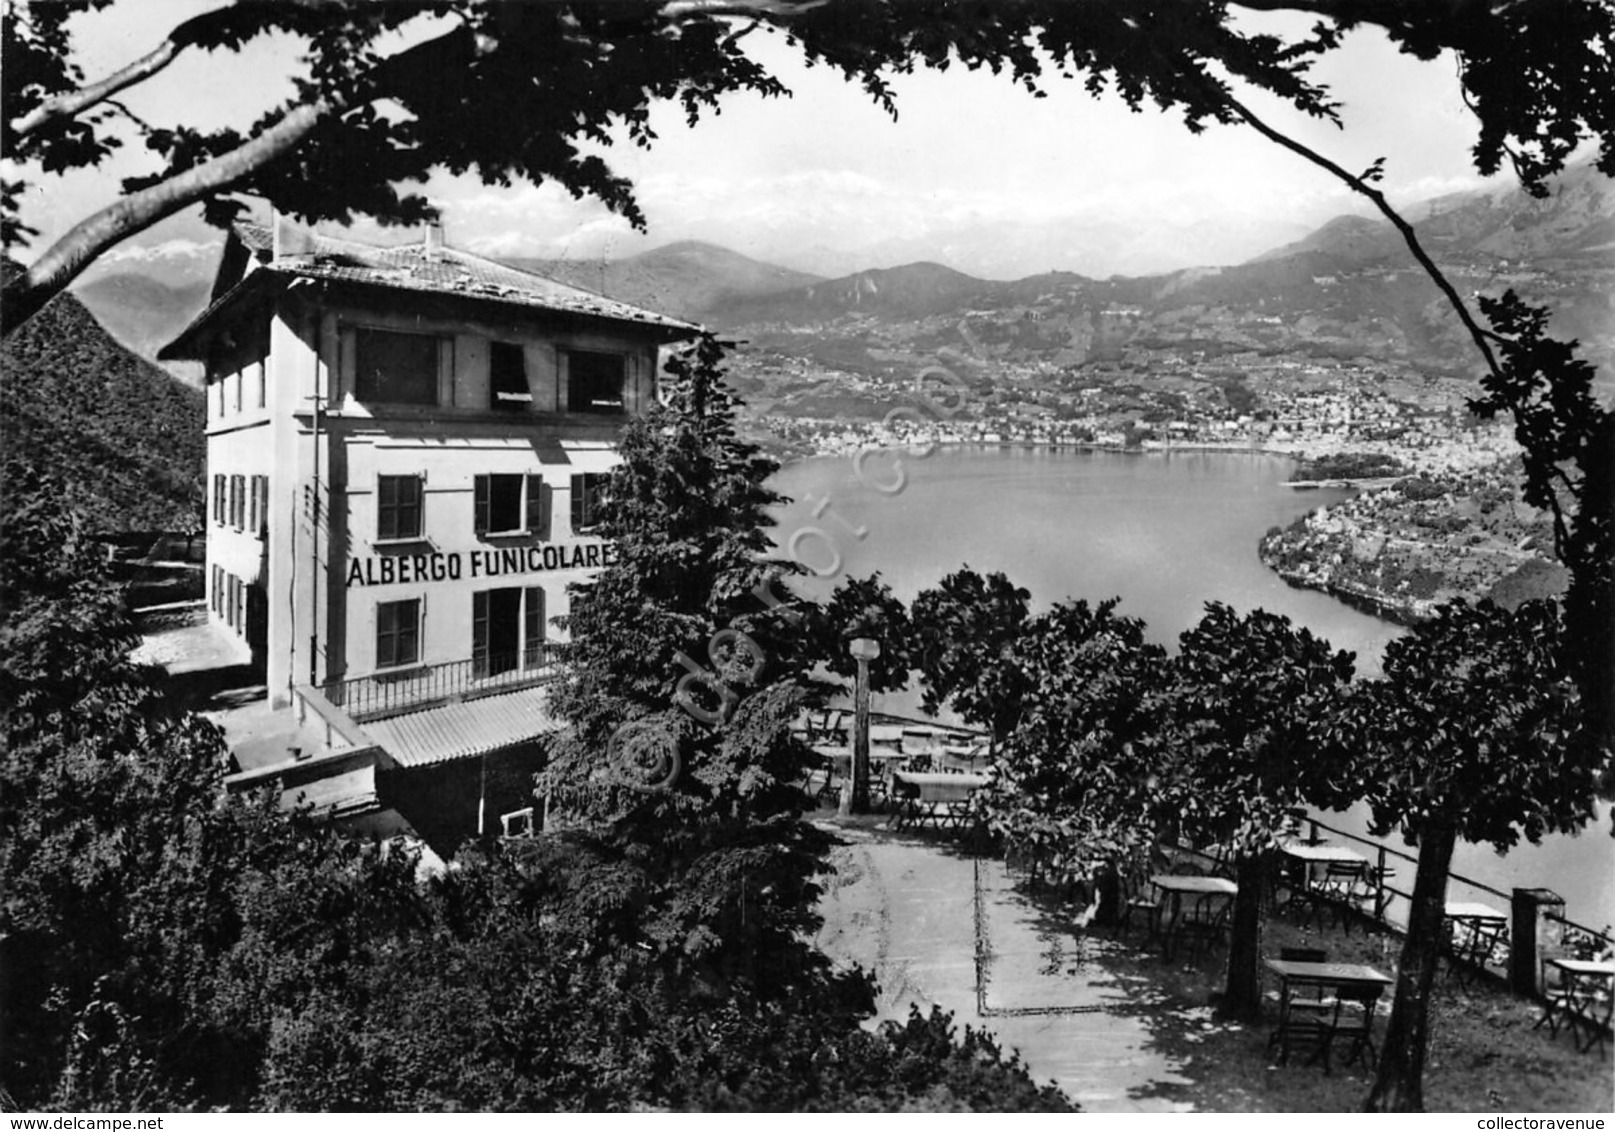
x,y
855,793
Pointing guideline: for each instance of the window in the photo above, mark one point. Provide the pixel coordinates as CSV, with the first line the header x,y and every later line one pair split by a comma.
x,y
507,629
509,504
398,633
400,368
238,502
398,507
260,384
260,505
236,381
588,497
218,590
218,497
219,403
507,377
594,382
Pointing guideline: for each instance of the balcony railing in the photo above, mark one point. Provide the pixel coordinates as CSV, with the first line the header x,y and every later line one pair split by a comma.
x,y
392,693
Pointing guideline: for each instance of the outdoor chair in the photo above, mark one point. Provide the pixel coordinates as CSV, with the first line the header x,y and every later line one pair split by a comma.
x,y
1353,1021
1309,999
1379,878
1344,892
1302,1022
1139,899
1556,1002
1203,927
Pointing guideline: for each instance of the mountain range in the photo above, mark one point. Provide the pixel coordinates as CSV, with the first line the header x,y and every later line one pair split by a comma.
x,y
1351,289
1348,288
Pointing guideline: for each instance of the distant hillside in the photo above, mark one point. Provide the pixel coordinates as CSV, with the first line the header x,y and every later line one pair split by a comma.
x,y
126,437
1574,224
144,314
688,279
141,312
912,291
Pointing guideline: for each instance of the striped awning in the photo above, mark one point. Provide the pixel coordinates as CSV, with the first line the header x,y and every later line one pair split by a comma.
x,y
464,730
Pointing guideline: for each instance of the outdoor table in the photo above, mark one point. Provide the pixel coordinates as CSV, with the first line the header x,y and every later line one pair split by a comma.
x,y
1304,855
939,798
1474,930
1346,881
1178,887
1353,982
838,760
1589,997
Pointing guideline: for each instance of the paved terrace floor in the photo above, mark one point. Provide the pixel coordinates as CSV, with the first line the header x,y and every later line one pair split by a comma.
x,y
939,927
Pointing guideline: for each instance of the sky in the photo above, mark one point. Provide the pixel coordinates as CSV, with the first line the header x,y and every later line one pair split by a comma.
x,y
974,172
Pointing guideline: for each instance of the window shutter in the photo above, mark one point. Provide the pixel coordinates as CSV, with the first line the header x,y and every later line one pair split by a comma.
x,y
577,503
533,627
535,504
479,633
481,523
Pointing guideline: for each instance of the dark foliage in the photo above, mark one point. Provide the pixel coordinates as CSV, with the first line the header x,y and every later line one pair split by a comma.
x,y
1472,733
964,629
120,436
165,947
862,607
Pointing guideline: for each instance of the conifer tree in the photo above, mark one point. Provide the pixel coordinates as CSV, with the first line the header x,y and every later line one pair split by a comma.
x,y
678,769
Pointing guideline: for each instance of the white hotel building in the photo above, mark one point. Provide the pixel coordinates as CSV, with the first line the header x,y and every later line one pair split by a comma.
x,y
405,449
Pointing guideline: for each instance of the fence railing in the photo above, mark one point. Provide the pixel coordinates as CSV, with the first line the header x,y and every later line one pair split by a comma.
x,y
381,694
1392,903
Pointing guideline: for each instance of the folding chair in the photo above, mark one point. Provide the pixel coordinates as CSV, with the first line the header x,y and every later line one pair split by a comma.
x,y
1353,1019
1558,1004
1140,899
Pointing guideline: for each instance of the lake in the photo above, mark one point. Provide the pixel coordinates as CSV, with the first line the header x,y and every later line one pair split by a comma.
x,y
1165,532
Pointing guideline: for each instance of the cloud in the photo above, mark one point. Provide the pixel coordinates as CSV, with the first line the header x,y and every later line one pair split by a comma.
x,y
167,250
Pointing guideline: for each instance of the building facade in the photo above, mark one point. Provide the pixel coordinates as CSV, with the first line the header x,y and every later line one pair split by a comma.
x,y
406,449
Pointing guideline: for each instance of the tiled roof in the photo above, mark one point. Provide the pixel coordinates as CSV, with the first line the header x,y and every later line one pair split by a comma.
x,y
463,730
445,271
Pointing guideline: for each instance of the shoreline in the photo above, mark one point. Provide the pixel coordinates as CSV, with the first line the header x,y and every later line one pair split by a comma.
x,y
1153,448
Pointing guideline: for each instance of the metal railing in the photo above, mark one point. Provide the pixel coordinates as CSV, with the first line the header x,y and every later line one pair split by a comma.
x,y
1572,936
381,694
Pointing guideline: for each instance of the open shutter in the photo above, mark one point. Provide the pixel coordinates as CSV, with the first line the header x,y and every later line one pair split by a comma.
x,y
577,503
481,522
535,504
533,627
479,633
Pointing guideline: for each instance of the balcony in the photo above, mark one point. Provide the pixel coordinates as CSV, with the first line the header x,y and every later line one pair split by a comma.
x,y
384,694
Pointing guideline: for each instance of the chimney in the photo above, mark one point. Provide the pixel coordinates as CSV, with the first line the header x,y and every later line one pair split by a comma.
x,y
434,243
291,239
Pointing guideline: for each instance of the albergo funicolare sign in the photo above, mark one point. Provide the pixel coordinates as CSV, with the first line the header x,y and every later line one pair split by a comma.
x,y
406,569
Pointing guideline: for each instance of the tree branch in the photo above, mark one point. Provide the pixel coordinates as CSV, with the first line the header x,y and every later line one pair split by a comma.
x,y
30,290
45,277
1482,337
73,103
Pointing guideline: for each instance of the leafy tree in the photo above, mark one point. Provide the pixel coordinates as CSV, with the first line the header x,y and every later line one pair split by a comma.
x,y
964,630
1471,733
862,607
167,947
1249,699
1074,787
120,866
1569,457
